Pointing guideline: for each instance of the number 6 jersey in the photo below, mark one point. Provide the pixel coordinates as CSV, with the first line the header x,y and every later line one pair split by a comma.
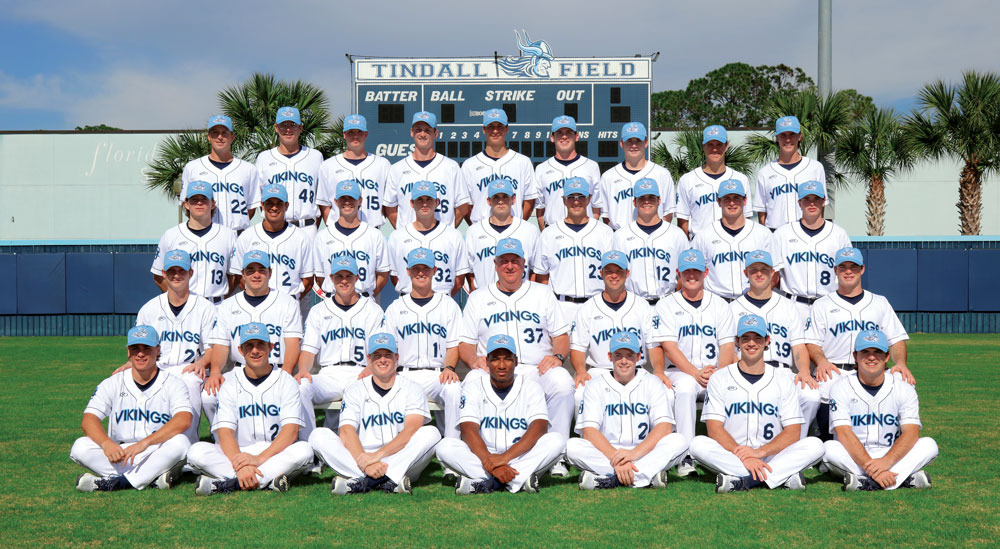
x,y
752,413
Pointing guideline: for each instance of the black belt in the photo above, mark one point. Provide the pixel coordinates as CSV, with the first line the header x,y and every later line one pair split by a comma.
x,y
304,222
848,367
571,299
366,294
776,364
345,363
216,299
653,300
415,369
800,299
729,299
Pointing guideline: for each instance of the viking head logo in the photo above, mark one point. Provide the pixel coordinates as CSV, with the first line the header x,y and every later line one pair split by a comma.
x,y
534,61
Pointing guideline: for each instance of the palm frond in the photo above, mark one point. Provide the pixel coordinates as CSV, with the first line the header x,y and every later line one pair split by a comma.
x,y
164,173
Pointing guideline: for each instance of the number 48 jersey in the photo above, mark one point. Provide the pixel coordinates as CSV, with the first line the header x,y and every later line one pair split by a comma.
x,y
875,419
625,414
752,413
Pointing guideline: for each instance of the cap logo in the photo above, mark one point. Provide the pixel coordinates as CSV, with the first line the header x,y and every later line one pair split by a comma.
x,y
785,122
198,186
809,186
563,120
492,114
502,340
381,340
175,256
254,255
730,186
252,329
344,262
287,112
645,186
757,255
632,128
691,257
419,254
624,338
219,120
509,245
140,332
749,321
871,338
346,186
423,115
613,255
423,187
354,120
847,253
713,131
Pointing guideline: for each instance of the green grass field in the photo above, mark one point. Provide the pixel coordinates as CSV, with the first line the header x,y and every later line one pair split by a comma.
x,y
46,383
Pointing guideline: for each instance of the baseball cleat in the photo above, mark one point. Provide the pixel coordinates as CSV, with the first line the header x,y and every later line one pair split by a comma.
x,y
559,469
280,483
403,487
856,483
659,480
531,485
87,482
169,479
686,467
823,468
467,486
316,469
206,486
588,480
729,483
796,482
920,479
607,482
343,485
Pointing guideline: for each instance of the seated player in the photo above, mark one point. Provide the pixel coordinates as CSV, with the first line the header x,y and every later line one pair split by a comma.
x,y
876,419
257,424
384,438
753,420
503,420
147,416
626,419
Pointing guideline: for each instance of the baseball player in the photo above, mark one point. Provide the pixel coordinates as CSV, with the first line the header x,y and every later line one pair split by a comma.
x,y
876,418
426,326
370,171
426,231
726,241
696,331
494,162
787,351
294,167
210,246
697,202
348,234
626,422
424,164
235,183
384,439
528,314
651,246
256,427
551,175
777,182
336,332
569,251
753,421
481,238
613,199
147,416
504,424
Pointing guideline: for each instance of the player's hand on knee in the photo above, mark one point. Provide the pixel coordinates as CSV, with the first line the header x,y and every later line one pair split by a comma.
x,y
547,364
903,371
758,469
805,379
665,379
365,459
826,371
504,473
122,368
213,383
745,452
581,379
448,376
248,477
377,469
480,364
626,473
303,374
199,369
365,373
128,457
113,451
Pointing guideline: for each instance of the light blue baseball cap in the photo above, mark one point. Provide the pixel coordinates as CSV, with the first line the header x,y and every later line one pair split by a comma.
x,y
751,323
644,187
288,114
143,335
852,255
510,246
274,190
420,256
177,258
714,133
504,185
731,186
220,120
633,130
811,188
757,256
787,124
871,339
341,261
500,341
258,257
691,259
381,341
614,257
423,188
623,340
428,118
494,115
203,188
576,185
349,188
254,331
564,121
355,122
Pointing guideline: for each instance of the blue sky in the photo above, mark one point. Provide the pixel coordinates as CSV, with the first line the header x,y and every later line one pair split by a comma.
x,y
159,65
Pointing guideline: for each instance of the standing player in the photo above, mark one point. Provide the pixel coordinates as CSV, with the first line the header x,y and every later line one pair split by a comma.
x,y
651,246
753,420
482,237
697,202
256,427
496,161
147,416
426,231
778,182
210,246
876,418
626,422
613,199
355,163
235,183
551,175
503,419
424,164
294,167
384,441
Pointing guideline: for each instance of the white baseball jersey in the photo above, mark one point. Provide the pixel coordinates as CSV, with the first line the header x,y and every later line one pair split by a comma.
x,y
448,181
258,412
234,189
502,422
778,190
835,322
572,259
451,259
596,322
423,332
652,258
335,335
280,312
481,242
134,414
725,253
481,170
298,175
210,257
698,332
365,244
551,175
752,413
625,414
371,174
877,419
184,336
698,199
806,262
530,316
378,419
614,192
784,325
290,252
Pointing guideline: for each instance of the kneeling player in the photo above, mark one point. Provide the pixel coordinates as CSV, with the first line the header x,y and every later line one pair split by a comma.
x,y
503,421
876,419
384,440
256,424
147,415
747,403
627,421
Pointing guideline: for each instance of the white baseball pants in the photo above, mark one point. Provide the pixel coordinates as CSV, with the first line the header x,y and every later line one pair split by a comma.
x,y
409,461
149,464
922,453
207,458
797,457
667,453
456,455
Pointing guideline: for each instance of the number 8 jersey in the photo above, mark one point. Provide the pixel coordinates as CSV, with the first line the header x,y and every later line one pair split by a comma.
x,y
752,413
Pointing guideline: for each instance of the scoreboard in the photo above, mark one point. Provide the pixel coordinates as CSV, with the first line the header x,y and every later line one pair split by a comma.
x,y
602,94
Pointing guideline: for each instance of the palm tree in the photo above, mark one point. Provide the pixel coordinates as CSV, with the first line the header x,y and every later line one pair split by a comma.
x,y
962,122
332,141
690,155
876,148
172,154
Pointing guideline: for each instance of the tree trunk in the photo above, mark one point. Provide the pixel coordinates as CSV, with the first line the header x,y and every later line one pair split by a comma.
x,y
876,207
970,200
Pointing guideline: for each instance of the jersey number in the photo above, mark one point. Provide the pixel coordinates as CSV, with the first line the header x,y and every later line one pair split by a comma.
x,y
189,355
274,430
442,207
824,278
532,335
373,202
768,431
306,196
643,430
443,275
362,274
663,273
710,351
218,277
238,206
594,272
359,354
783,350
890,438
286,280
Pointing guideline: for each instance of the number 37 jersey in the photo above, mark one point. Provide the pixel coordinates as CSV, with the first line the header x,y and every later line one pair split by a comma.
x,y
752,413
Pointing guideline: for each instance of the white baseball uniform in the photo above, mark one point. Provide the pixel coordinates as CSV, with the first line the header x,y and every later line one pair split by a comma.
x,y
614,192
806,262
290,252
235,188
698,199
596,322
298,175
652,258
451,259
481,243
724,253
448,182
778,190
371,174
551,175
481,170
365,244
572,259
210,257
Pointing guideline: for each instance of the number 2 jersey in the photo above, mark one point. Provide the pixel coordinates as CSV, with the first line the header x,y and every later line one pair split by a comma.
x,y
502,422
625,414
875,419
258,412
752,413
